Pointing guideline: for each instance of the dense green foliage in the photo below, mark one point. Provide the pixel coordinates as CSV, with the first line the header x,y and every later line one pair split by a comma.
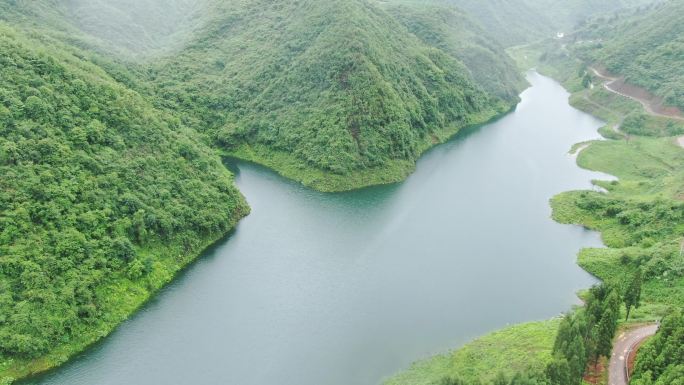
x,y
583,336
336,94
661,359
639,123
98,190
337,85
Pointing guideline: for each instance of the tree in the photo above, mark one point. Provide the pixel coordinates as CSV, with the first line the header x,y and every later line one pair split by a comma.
x,y
558,372
661,359
586,81
607,326
632,297
570,343
604,343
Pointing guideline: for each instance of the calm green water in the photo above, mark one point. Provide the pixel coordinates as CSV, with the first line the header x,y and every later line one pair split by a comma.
x,y
347,289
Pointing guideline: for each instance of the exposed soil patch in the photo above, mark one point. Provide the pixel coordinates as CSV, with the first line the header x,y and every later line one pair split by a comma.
x,y
653,104
596,373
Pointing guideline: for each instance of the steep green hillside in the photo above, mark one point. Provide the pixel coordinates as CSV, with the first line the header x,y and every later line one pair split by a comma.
x,y
514,22
449,29
337,94
102,199
334,93
647,48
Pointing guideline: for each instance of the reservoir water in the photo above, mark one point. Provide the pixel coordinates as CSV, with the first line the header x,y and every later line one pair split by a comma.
x,y
349,288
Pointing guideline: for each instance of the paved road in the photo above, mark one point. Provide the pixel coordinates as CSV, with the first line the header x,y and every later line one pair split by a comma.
x,y
617,370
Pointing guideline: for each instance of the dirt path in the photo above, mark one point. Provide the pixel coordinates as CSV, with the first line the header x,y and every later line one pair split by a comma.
x,y
609,81
617,369
680,141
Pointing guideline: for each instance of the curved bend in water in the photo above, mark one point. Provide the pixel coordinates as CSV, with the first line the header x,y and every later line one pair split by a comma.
x,y
340,289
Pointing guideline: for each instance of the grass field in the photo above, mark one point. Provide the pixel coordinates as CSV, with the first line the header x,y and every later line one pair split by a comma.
x,y
641,218
507,351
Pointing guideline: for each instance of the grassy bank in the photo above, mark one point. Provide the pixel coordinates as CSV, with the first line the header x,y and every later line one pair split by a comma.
x,y
507,351
641,218
395,170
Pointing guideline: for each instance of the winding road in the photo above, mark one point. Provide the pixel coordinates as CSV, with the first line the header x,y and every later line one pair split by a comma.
x,y
608,81
618,372
647,105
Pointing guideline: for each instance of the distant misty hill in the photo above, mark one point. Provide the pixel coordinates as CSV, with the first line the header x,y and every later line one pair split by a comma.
x,y
514,22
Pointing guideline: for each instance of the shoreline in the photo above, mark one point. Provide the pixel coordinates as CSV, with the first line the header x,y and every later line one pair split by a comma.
x,y
395,171
27,370
576,150
396,378
21,371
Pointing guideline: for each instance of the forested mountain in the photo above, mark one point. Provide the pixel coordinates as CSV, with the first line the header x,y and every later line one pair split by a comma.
x,y
514,22
337,87
647,48
102,199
